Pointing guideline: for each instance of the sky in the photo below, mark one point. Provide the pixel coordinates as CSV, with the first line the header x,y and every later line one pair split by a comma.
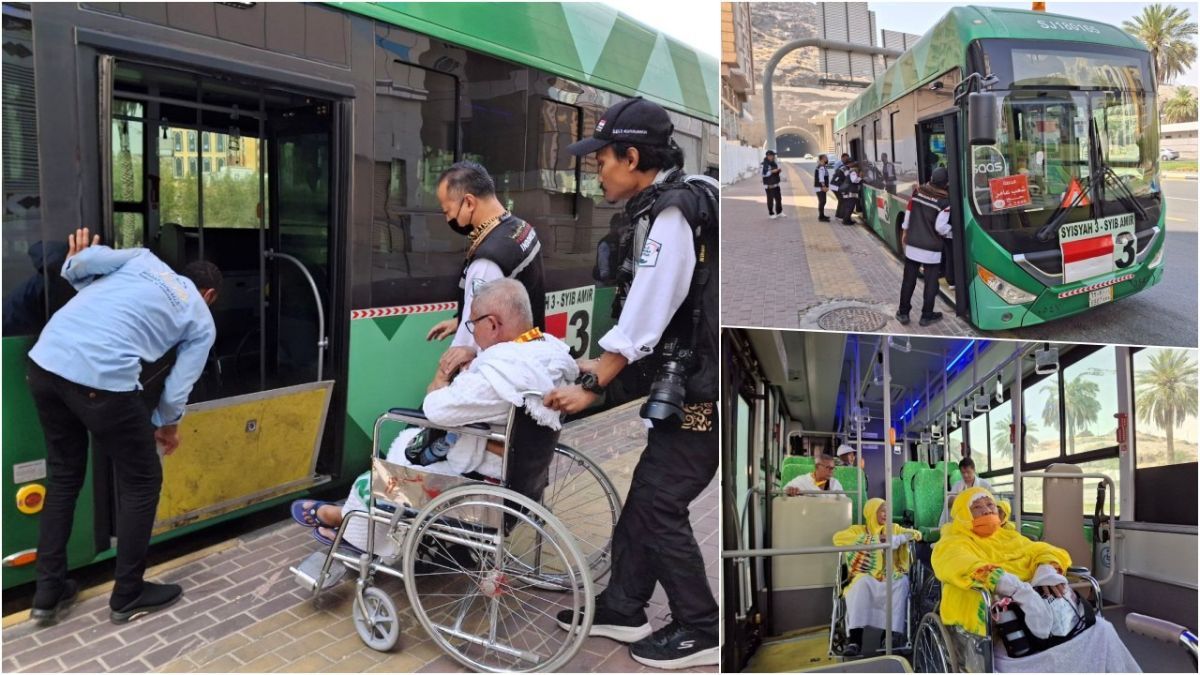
x,y
696,24
919,17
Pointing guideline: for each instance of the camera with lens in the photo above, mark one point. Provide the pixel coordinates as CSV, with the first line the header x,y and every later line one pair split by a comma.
x,y
665,401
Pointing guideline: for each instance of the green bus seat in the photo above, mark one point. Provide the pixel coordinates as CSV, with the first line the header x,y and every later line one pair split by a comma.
x,y
849,477
790,471
928,490
900,501
906,475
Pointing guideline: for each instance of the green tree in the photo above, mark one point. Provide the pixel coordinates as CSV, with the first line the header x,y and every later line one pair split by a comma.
x,y
1181,107
1166,393
1000,437
1082,408
1169,35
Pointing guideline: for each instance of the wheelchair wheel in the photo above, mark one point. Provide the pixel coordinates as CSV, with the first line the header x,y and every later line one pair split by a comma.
x,y
933,652
487,610
376,619
584,500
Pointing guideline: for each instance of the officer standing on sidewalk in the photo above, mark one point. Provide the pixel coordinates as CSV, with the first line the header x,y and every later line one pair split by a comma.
x,y
664,341
83,374
926,225
821,185
770,178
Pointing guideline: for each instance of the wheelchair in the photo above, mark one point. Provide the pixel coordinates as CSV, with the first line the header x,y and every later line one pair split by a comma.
x,y
839,633
938,648
486,565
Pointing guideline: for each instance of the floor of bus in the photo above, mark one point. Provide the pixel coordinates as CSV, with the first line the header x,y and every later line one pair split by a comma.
x,y
243,611
808,649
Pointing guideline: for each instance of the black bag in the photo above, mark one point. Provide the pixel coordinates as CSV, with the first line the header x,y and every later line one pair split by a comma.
x,y
1027,643
428,447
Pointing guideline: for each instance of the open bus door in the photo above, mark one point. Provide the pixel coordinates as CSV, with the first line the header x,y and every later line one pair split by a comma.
x,y
938,145
200,166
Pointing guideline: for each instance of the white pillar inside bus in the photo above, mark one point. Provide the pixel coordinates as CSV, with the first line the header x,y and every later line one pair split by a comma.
x,y
1017,395
889,555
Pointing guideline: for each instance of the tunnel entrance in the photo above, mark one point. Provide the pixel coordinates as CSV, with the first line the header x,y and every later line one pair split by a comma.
x,y
795,145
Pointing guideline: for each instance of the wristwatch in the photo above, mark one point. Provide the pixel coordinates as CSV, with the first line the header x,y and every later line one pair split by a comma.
x,y
591,383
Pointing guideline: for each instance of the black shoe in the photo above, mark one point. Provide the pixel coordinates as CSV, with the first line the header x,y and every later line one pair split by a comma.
x,y
823,219
847,222
852,650
50,613
931,318
676,646
153,598
902,317
609,624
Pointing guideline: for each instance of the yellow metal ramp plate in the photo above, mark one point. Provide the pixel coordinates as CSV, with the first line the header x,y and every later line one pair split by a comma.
x,y
242,450
795,651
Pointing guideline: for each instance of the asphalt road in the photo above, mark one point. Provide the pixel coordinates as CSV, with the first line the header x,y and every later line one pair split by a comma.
x,y
1163,315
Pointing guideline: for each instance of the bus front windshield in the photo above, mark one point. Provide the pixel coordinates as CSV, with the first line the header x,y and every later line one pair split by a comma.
x,y
1068,123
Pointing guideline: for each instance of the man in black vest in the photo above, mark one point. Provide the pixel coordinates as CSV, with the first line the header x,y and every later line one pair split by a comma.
x,y
667,272
926,225
501,246
770,177
848,191
821,184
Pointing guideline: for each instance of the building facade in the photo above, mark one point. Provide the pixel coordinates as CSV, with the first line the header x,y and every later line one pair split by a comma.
x,y
737,67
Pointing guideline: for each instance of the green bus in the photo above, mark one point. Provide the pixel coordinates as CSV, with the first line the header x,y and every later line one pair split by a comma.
x,y
297,146
1048,126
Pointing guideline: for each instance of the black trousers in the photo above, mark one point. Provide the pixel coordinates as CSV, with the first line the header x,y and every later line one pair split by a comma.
x,y
909,284
653,541
821,195
774,200
119,423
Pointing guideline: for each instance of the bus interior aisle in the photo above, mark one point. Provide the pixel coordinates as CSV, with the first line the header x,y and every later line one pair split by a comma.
x,y
830,436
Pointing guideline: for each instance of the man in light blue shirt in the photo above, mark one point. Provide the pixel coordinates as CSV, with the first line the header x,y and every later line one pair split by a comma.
x,y
83,374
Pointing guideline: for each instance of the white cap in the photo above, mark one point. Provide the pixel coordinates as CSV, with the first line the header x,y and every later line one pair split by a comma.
x,y
844,449
979,495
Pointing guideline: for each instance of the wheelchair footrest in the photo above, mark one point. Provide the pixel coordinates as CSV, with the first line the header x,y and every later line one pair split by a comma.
x,y
310,568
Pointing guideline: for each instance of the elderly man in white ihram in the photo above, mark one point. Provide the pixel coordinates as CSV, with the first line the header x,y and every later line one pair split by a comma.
x,y
515,358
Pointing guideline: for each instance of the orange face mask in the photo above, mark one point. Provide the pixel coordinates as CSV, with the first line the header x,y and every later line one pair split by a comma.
x,y
986,525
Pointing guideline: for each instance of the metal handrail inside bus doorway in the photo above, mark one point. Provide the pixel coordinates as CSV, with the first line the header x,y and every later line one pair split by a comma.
x,y
322,339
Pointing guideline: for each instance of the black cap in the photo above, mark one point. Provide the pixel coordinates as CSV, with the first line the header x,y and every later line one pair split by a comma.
x,y
940,177
634,120
770,152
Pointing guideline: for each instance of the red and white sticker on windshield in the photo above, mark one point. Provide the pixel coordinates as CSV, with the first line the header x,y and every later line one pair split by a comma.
x,y
1094,247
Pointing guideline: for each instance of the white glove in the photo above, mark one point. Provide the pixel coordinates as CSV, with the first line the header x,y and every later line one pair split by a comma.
x,y
899,540
1008,585
1039,617
1046,575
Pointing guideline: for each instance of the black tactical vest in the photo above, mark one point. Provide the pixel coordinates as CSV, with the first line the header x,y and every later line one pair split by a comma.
x,y
514,246
922,219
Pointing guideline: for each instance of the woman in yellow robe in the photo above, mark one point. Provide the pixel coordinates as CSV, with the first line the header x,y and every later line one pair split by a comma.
x,y
866,595
976,551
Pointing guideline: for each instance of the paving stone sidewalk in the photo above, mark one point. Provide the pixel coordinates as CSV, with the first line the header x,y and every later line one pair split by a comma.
x,y
797,272
244,612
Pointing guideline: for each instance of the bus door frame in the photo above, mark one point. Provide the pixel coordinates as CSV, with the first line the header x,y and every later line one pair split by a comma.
x,y
949,118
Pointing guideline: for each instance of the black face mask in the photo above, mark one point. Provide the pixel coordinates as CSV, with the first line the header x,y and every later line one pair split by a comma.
x,y
464,230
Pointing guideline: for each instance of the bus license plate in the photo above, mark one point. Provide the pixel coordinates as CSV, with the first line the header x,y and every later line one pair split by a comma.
x,y
1100,296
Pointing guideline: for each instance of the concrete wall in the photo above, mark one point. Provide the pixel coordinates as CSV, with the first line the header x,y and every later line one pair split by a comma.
x,y
738,161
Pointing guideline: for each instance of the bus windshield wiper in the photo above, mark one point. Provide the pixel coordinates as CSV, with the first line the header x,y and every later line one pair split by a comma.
x,y
1094,185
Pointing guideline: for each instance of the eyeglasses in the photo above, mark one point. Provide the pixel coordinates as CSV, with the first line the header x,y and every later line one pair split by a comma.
x,y
471,322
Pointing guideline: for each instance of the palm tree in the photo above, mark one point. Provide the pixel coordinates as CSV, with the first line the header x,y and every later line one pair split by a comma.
x,y
1166,393
1168,34
1181,107
1001,444
1082,407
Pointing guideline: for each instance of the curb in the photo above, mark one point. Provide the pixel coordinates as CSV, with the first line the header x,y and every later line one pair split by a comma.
x,y
1178,175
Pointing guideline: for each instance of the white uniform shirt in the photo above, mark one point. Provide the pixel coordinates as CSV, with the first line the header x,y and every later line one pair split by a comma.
x,y
660,285
805,482
479,272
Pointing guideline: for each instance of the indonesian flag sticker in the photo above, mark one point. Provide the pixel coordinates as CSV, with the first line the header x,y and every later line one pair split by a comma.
x,y
1073,190
1085,258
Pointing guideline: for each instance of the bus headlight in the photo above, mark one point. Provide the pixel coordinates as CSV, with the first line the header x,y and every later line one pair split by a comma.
x,y
1158,257
1007,292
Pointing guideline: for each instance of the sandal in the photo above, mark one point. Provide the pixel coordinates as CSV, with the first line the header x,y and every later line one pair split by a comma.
x,y
329,542
307,516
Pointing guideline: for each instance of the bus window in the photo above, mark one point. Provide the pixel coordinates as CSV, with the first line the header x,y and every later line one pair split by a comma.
x,y
1041,420
954,445
977,442
742,460
1164,385
1090,397
1000,422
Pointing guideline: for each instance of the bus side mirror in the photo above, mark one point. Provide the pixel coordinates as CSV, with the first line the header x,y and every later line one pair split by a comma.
x,y
981,118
